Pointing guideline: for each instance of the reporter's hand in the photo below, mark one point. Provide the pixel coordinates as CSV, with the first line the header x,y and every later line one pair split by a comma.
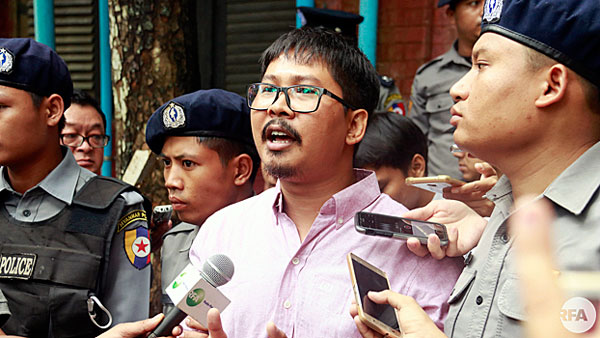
x,y
214,329
472,193
464,227
414,321
530,226
274,332
137,329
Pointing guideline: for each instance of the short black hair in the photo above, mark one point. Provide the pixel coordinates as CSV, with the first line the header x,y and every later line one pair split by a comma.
x,y
391,140
82,98
228,149
348,66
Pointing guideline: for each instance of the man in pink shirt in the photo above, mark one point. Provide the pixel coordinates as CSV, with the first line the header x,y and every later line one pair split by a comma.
x,y
289,243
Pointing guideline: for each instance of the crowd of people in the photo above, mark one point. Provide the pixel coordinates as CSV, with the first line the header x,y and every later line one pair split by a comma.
x,y
512,109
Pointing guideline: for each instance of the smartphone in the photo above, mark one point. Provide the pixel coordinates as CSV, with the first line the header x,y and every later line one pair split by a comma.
x,y
434,183
366,277
400,227
161,214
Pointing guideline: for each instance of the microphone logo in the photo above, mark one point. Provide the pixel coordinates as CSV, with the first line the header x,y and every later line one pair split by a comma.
x,y
195,297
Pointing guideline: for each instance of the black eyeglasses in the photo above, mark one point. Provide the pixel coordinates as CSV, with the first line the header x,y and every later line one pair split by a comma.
x,y
76,140
299,98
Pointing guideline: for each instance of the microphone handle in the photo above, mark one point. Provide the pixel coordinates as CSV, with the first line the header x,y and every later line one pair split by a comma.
x,y
172,319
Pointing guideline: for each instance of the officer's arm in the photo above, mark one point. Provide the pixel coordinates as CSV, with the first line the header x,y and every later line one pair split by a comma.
x,y
126,292
417,112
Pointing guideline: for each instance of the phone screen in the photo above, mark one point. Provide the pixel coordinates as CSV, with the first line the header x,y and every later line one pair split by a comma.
x,y
392,224
368,280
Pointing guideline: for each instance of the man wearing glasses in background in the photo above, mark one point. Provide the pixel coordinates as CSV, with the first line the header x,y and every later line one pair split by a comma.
x,y
289,244
85,131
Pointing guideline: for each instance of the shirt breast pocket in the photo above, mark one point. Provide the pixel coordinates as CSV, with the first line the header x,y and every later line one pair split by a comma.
x,y
509,301
458,296
438,108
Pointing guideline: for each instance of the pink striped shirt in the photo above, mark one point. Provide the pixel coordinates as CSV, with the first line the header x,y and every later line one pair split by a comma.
x,y
304,287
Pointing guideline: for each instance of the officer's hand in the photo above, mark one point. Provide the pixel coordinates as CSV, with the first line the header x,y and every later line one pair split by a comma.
x,y
214,330
414,321
137,329
472,193
464,227
530,226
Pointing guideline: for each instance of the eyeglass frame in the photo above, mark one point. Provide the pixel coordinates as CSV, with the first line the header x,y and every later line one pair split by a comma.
x,y
85,139
287,97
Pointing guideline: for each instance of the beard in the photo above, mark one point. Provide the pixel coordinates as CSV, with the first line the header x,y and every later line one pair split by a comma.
x,y
280,171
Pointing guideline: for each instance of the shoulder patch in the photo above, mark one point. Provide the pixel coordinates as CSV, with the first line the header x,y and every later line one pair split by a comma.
x,y
132,216
136,243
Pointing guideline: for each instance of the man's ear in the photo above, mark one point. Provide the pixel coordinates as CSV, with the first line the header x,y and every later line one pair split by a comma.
x,y
357,125
554,86
53,107
242,166
417,166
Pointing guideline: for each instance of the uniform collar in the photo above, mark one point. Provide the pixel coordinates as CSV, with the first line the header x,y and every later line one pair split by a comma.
x,y
345,203
452,56
574,188
60,182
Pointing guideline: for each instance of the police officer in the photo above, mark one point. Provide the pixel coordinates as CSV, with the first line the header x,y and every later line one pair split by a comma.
x,y
430,100
531,106
205,142
75,247
390,99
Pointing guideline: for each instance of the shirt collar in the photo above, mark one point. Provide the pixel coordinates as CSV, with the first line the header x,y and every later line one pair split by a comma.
x,y
574,188
452,56
345,203
60,182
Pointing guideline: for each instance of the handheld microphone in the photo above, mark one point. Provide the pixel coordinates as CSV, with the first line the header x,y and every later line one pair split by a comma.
x,y
216,270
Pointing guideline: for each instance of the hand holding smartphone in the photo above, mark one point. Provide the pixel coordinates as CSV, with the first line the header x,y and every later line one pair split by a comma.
x,y
398,227
435,184
366,277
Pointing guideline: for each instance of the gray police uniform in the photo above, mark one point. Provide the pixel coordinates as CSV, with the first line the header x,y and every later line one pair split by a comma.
x,y
390,99
175,256
486,300
4,311
53,223
430,104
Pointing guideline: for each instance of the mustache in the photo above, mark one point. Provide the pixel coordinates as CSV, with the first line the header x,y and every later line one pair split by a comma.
x,y
285,126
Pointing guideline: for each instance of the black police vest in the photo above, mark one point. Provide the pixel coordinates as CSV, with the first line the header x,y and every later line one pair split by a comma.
x,y
48,268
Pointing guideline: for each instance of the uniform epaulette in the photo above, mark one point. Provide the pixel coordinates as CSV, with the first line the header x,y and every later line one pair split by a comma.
x,y
429,63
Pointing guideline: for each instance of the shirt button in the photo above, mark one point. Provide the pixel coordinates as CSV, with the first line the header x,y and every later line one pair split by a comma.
x,y
287,304
295,261
340,220
505,238
26,213
479,300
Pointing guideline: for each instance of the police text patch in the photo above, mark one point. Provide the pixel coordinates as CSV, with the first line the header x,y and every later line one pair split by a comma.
x,y
18,266
132,216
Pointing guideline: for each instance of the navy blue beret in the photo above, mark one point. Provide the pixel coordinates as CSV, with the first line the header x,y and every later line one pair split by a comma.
x,y
446,2
208,113
567,31
339,21
32,66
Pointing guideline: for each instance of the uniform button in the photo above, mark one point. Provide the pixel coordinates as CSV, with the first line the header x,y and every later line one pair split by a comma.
x,y
287,304
26,213
295,261
479,300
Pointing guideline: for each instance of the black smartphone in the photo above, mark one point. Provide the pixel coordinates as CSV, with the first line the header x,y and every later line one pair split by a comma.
x,y
161,214
366,277
392,226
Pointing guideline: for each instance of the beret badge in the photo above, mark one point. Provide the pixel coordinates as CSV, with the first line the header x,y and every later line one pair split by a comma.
x,y
173,116
6,61
492,10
